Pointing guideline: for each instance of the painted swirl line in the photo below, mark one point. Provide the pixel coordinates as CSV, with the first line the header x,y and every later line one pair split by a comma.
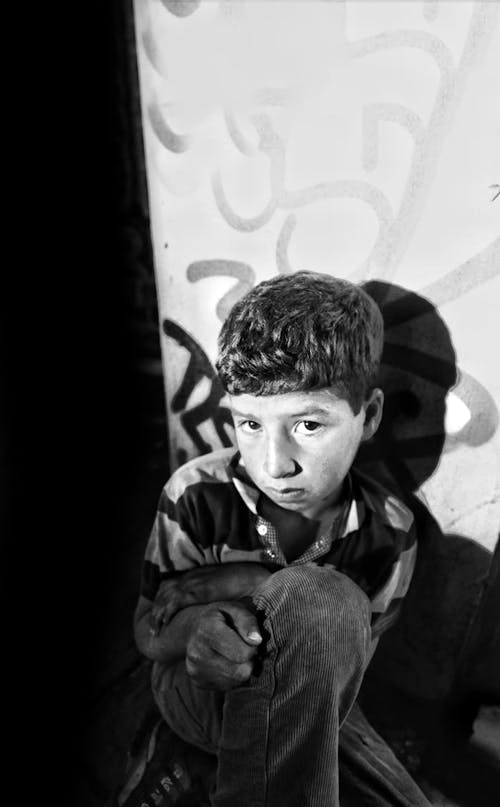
x,y
167,137
198,270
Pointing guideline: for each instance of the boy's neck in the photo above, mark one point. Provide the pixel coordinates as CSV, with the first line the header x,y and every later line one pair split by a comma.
x,y
295,531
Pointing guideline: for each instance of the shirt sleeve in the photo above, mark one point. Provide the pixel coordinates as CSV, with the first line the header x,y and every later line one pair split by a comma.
x,y
387,600
379,552
172,546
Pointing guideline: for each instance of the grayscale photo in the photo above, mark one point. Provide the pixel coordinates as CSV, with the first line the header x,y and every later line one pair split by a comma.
x,y
292,598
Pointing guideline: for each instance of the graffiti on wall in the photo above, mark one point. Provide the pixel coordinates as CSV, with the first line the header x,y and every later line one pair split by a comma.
x,y
257,136
272,174
198,368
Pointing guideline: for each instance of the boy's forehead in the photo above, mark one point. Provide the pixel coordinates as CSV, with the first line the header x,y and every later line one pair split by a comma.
x,y
287,403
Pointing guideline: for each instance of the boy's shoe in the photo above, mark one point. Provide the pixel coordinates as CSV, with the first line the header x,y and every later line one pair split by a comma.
x,y
163,770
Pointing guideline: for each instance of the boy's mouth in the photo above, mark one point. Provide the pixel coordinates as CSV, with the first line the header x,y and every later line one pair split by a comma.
x,y
285,493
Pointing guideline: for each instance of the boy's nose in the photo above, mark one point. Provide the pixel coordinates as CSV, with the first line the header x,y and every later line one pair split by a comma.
x,y
278,461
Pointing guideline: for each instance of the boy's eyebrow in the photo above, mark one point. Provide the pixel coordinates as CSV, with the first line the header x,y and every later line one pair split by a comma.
x,y
318,410
305,412
246,415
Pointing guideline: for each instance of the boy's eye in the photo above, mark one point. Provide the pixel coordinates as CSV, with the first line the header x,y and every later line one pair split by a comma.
x,y
307,426
249,425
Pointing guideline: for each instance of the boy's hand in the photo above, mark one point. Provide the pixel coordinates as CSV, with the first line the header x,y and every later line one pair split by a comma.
x,y
169,599
220,650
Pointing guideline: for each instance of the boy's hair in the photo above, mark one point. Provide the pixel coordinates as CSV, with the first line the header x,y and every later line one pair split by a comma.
x,y
300,332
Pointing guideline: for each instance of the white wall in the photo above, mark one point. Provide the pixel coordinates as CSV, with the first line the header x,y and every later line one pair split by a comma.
x,y
356,138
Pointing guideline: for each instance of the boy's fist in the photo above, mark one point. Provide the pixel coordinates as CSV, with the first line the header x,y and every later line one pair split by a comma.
x,y
220,650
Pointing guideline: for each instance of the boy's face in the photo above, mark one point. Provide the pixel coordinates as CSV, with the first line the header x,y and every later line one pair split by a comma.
x,y
299,446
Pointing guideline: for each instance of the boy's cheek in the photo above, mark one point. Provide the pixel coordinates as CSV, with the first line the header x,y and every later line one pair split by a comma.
x,y
252,455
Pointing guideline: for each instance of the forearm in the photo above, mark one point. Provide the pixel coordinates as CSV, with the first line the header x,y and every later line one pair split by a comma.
x,y
203,585
225,581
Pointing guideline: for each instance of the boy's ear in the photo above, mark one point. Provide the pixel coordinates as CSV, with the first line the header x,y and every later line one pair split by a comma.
x,y
373,408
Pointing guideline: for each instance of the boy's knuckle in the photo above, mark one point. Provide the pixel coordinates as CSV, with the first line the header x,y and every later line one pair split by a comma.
x,y
242,673
191,668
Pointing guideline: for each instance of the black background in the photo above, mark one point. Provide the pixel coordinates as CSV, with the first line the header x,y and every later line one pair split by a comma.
x,y
70,416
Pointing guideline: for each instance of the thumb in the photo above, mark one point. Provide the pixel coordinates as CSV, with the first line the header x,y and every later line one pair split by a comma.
x,y
244,623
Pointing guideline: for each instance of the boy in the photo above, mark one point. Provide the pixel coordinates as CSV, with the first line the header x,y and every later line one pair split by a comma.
x,y
273,568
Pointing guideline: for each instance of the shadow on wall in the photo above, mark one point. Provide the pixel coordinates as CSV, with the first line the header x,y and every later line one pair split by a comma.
x,y
427,654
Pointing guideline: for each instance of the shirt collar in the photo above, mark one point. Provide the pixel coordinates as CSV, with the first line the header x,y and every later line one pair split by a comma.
x,y
243,484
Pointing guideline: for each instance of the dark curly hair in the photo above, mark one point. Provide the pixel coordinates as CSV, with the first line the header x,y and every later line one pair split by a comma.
x,y
299,332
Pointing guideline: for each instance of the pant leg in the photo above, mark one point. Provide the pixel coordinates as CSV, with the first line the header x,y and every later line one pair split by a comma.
x,y
279,740
194,714
370,773
275,728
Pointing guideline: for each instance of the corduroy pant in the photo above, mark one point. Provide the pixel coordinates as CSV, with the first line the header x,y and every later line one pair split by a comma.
x,y
294,732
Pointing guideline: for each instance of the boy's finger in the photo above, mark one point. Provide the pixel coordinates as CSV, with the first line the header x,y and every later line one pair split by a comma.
x,y
154,623
245,624
230,647
218,675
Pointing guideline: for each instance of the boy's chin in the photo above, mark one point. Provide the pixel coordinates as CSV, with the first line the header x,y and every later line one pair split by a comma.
x,y
296,502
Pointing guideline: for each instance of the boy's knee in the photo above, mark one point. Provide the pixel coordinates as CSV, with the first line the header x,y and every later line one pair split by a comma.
x,y
301,599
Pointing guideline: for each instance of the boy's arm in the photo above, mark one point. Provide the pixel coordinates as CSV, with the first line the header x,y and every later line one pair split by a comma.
x,y
205,584
217,640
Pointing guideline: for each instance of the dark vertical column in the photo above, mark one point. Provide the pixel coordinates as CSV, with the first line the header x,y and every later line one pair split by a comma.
x,y
83,422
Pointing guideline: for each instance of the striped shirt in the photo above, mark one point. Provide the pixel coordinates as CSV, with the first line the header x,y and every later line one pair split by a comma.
x,y
208,514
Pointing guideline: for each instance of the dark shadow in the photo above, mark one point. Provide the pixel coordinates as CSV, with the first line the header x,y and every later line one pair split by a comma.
x,y
440,661
418,369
